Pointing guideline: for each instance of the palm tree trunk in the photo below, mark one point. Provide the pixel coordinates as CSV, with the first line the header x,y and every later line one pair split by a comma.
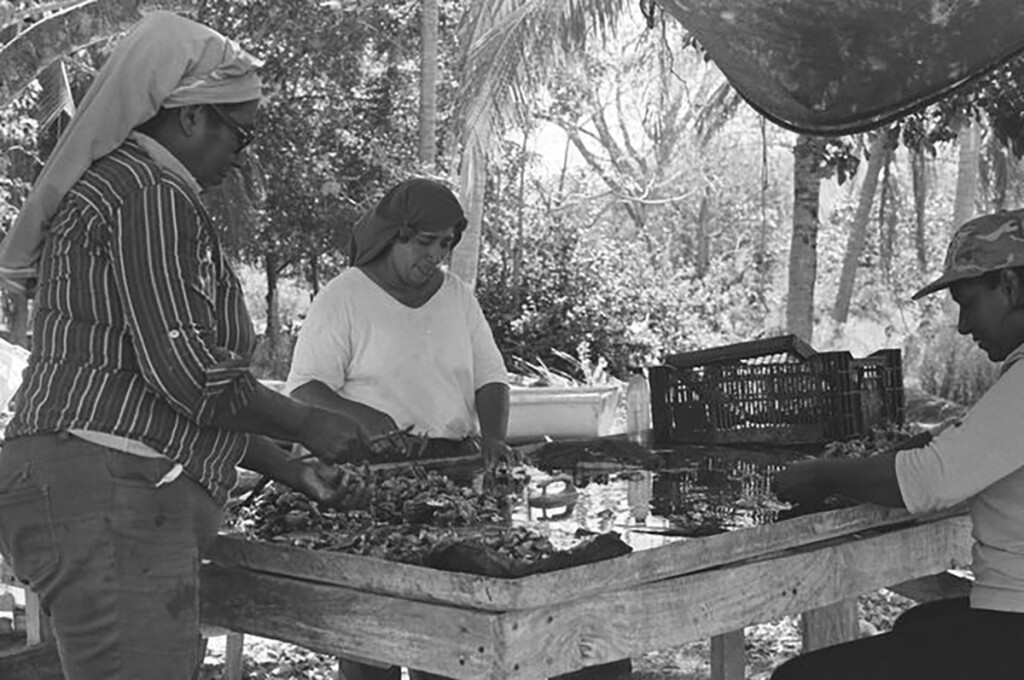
x,y
999,172
473,178
967,174
803,251
273,329
919,169
877,158
703,235
428,85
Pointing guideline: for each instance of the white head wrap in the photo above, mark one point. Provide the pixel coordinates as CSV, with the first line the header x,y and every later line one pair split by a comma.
x,y
166,60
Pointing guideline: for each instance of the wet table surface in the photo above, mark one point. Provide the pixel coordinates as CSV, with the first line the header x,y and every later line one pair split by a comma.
x,y
692,492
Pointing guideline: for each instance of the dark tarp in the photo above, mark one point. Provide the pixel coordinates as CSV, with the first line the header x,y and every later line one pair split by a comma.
x,y
830,67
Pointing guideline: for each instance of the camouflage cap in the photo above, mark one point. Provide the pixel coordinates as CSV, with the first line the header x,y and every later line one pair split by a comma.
x,y
985,244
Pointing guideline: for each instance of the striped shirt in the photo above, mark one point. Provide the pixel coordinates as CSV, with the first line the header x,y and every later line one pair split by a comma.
x,y
140,329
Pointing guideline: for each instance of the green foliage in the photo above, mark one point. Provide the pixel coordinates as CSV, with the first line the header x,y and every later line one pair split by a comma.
x,y
653,237
995,97
339,123
953,367
583,370
20,157
557,271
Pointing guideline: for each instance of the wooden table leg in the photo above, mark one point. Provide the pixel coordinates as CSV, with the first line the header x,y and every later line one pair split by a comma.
x,y
233,647
830,625
728,656
233,656
37,623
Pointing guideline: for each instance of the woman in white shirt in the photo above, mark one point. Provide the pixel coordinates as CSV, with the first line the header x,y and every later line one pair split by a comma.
x,y
395,341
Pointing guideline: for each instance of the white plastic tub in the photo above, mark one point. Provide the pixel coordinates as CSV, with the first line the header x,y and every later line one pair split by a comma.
x,y
561,412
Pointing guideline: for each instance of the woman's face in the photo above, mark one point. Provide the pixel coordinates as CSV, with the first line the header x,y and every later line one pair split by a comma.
x,y
417,259
225,131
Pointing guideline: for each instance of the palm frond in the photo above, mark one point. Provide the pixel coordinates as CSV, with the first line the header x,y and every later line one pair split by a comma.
x,y
55,97
511,46
716,112
78,25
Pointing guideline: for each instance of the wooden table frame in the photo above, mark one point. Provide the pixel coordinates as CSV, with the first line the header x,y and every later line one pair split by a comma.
x,y
467,626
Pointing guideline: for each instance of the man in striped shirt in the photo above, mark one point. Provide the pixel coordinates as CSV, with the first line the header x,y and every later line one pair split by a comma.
x,y
137,403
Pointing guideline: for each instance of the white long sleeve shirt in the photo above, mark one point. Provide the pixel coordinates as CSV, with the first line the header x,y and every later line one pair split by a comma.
x,y
981,461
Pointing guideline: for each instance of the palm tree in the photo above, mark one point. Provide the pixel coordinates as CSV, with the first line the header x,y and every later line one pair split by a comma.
x,y
509,46
428,85
803,252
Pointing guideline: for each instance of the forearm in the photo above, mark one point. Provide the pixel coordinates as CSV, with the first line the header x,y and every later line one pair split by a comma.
x,y
492,408
316,393
872,479
270,460
268,413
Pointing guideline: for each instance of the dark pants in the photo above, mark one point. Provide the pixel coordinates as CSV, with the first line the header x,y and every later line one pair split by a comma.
x,y
114,559
943,640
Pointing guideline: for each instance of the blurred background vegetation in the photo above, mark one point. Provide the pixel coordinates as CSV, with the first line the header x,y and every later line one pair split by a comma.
x,y
632,203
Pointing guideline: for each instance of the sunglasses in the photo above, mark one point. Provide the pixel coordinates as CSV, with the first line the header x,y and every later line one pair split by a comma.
x,y
244,134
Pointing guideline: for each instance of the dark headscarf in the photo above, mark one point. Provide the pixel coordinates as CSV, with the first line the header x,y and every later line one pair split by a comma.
x,y
415,205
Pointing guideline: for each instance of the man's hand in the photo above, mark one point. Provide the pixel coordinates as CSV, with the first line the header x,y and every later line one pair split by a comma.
x,y
333,437
803,483
332,486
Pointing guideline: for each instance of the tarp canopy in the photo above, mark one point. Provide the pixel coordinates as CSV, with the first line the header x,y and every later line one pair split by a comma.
x,y
830,67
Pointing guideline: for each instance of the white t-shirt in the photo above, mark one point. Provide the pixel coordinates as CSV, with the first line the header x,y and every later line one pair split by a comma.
x,y
422,366
981,461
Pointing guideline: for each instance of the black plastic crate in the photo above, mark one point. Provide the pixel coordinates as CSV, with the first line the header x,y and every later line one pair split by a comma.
x,y
776,391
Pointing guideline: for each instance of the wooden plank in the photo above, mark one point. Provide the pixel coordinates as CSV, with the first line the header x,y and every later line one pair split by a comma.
x,y
458,643
367,574
829,625
655,615
728,656
678,558
694,555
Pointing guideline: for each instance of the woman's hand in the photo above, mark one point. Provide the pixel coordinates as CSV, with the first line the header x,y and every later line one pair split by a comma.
x,y
498,454
333,437
332,486
375,422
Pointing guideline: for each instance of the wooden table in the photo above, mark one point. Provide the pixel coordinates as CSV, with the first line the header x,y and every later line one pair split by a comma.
x,y
544,625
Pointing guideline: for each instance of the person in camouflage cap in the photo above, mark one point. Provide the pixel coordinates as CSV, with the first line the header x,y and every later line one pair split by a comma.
x,y
985,244
979,462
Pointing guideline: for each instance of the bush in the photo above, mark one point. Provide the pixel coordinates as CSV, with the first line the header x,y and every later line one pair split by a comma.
x,y
951,366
